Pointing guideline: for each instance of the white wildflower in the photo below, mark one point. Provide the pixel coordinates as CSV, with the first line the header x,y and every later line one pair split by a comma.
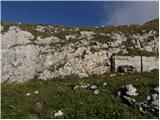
x,y
36,92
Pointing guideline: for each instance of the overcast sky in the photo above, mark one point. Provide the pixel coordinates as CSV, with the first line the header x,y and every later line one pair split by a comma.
x,y
80,13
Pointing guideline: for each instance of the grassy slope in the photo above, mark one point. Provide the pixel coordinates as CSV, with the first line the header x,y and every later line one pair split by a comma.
x,y
81,103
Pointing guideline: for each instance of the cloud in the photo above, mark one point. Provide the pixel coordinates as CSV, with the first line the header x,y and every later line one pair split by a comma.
x,y
133,13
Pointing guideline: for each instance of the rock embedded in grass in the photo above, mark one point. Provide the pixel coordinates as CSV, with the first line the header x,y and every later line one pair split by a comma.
x,y
93,87
143,107
83,86
156,89
155,96
58,114
112,75
128,100
151,104
75,87
96,92
36,92
128,90
104,84
131,91
148,98
38,105
155,101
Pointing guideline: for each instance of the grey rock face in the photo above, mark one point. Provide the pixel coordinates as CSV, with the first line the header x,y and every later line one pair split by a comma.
x,y
14,37
25,55
48,40
20,63
87,34
70,37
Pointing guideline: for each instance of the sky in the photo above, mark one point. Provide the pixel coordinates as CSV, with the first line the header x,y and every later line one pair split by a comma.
x,y
79,13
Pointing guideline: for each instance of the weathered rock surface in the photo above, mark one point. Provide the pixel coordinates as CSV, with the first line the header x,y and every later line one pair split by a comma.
x,y
131,91
31,51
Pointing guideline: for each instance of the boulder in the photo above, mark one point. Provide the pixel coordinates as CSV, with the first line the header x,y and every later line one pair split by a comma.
x,y
128,90
131,91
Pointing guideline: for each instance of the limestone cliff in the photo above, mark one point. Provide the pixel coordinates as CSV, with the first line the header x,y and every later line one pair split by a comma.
x,y
50,51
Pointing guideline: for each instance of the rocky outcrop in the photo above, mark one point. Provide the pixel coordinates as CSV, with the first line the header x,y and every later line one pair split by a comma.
x,y
50,51
140,63
151,104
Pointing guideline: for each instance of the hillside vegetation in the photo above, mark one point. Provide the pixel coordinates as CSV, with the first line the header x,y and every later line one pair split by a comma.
x,y
58,94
